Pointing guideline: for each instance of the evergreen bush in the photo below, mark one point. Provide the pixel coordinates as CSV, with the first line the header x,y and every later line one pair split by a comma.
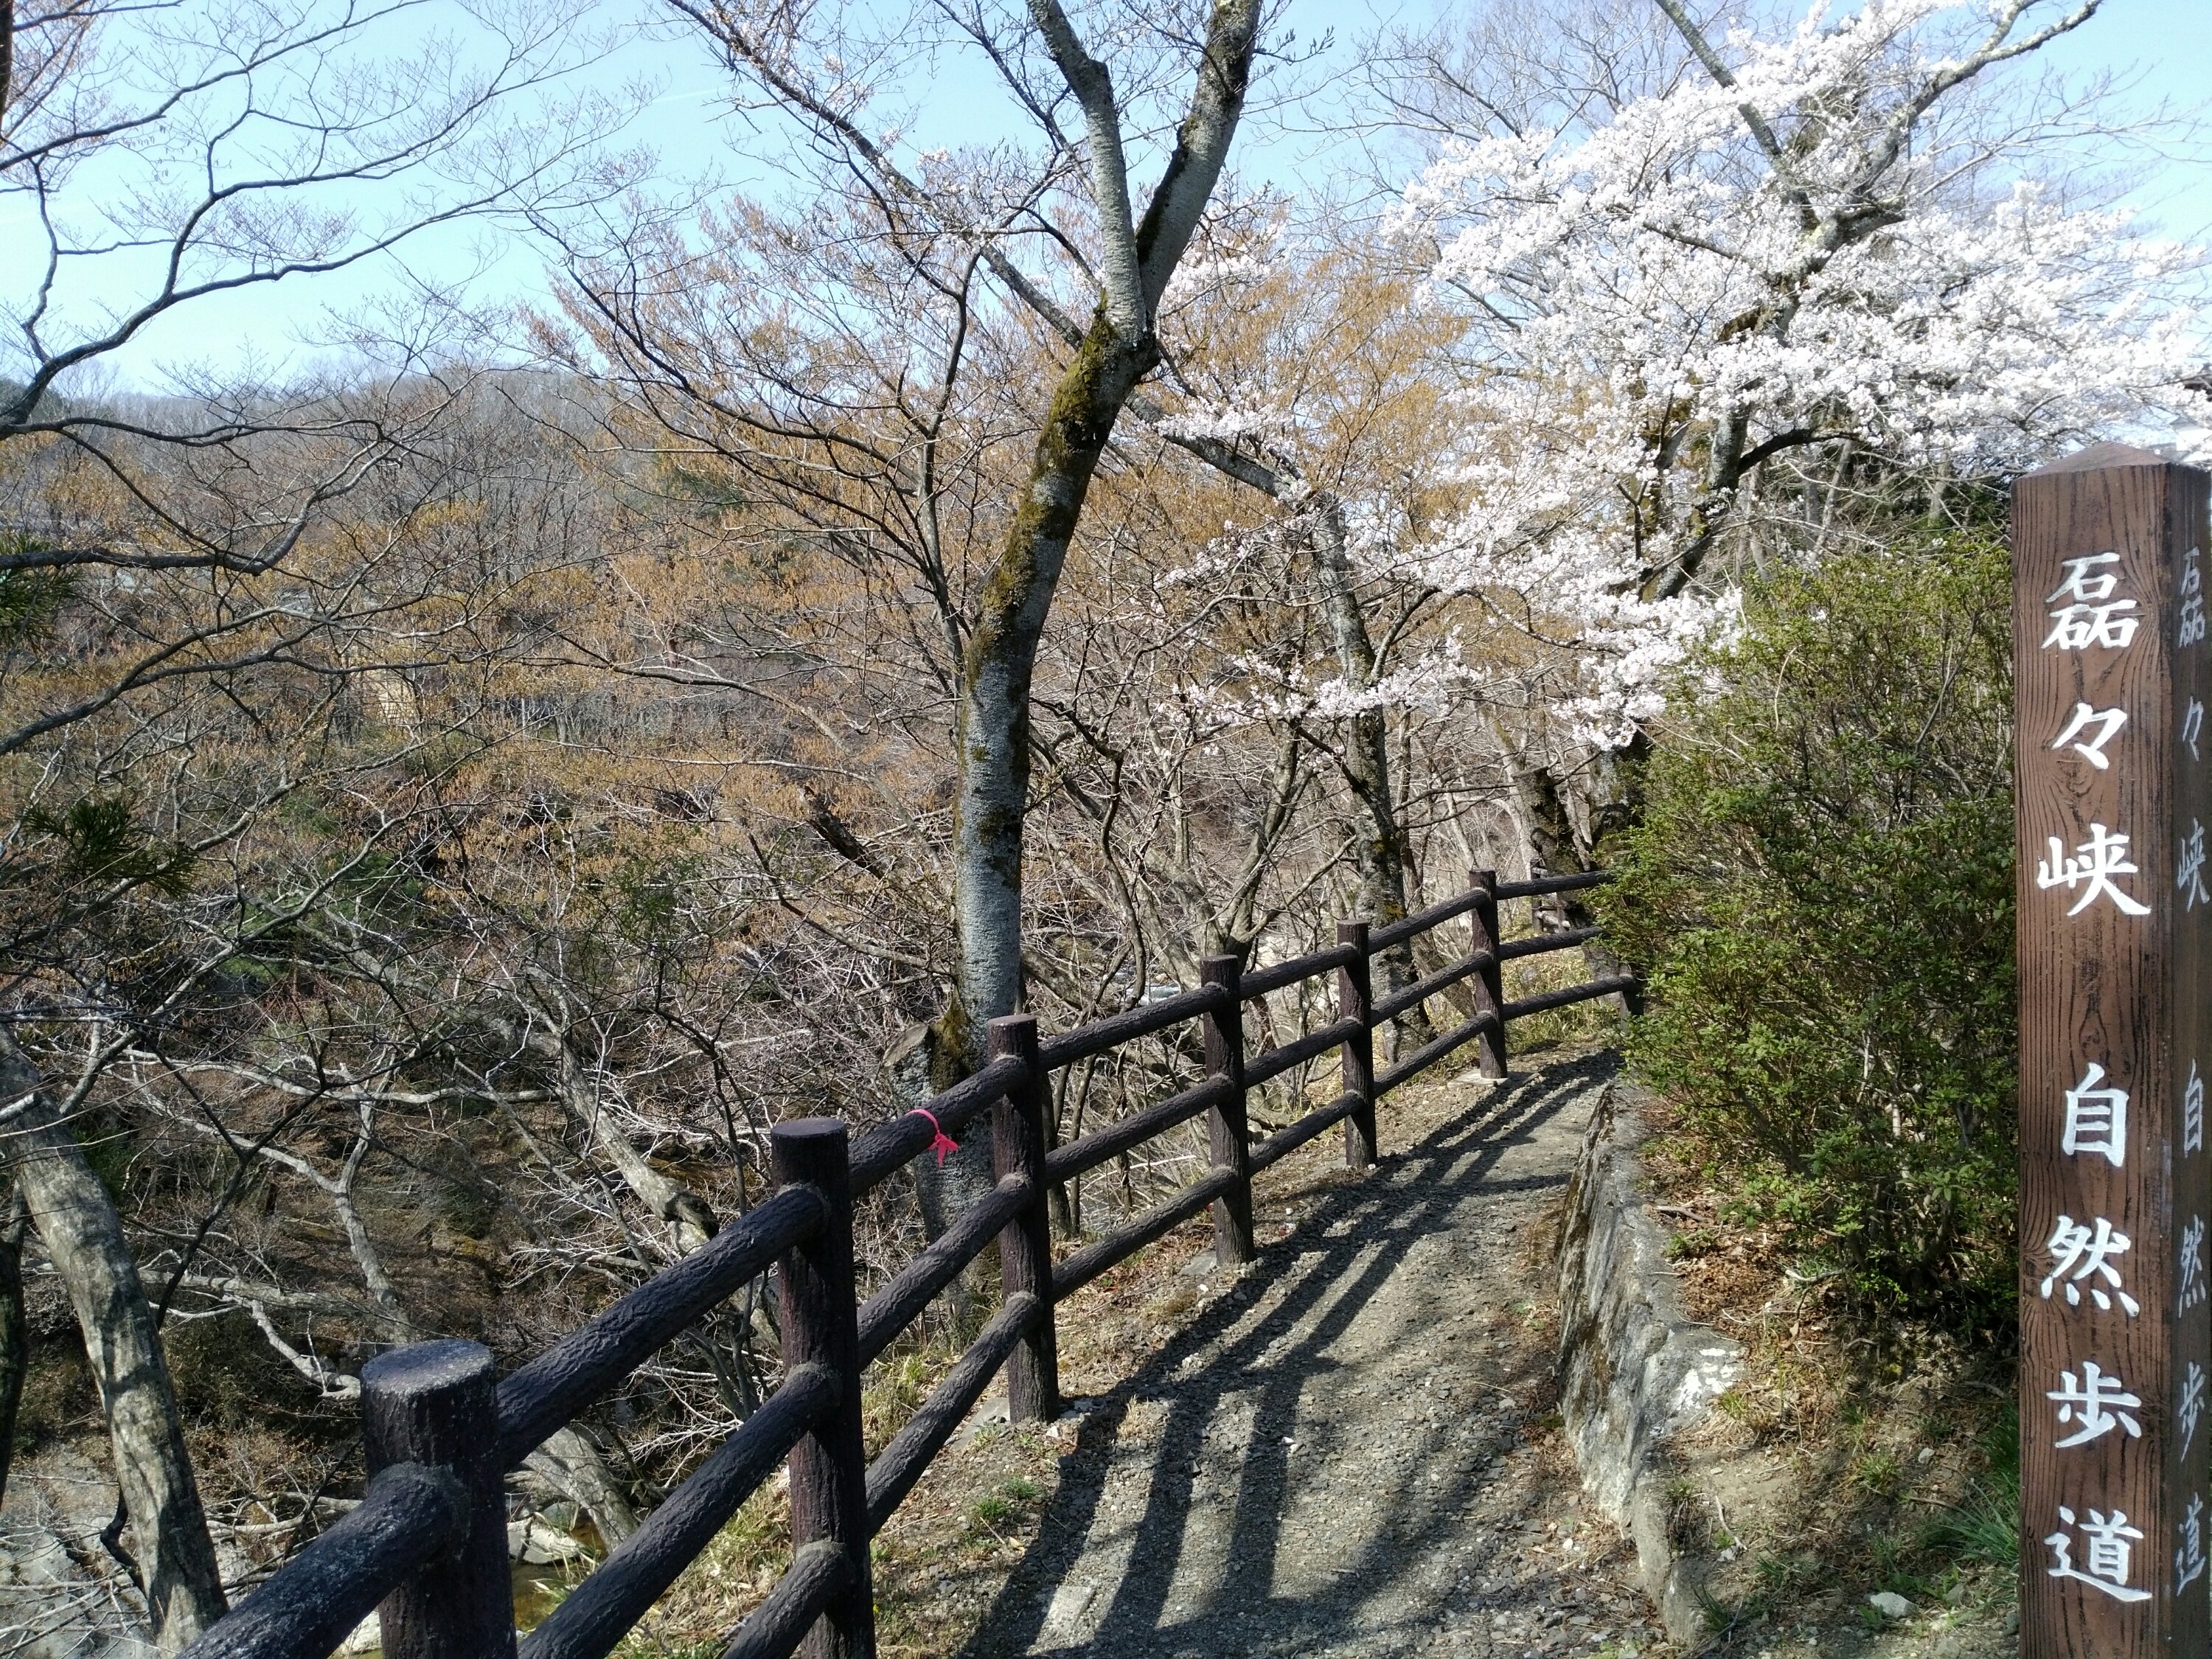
x,y
1820,892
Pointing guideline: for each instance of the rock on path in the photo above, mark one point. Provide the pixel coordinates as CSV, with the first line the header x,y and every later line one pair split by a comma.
x,y
1350,1450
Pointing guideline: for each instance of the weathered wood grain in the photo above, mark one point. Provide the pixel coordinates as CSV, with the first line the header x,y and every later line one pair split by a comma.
x,y
1025,1242
576,1371
1490,990
829,1464
592,1620
1355,1002
2103,987
433,1404
408,1517
1228,1137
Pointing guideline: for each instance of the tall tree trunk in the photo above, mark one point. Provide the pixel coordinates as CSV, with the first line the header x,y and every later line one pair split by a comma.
x,y
993,718
14,1342
1134,260
1554,848
77,1221
993,735
1382,853
1117,351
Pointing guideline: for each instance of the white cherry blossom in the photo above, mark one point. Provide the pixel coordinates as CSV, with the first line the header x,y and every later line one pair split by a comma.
x,y
1662,303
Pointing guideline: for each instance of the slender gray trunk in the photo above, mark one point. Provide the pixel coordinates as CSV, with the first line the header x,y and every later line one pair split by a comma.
x,y
1116,352
77,1219
993,718
690,1221
14,1341
1381,852
571,1465
993,734
991,729
1555,848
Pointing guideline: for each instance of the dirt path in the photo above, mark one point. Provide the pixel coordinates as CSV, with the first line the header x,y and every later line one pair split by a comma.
x,y
1350,1450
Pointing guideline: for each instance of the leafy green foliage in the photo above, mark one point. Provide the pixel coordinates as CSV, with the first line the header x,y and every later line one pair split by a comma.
x,y
1820,892
103,844
30,598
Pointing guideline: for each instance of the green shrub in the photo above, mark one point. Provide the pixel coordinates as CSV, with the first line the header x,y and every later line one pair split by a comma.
x,y
1820,892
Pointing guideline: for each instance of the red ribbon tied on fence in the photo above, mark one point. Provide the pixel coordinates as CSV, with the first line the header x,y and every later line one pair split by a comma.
x,y
943,1143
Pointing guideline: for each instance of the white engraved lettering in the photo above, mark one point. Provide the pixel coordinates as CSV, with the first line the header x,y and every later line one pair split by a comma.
x,y
2096,1119
2188,1544
2191,1266
2096,860
2078,1254
2091,616
2107,722
2107,1547
2096,1406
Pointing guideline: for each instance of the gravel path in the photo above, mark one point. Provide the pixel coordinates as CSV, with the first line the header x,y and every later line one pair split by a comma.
x,y
1350,1450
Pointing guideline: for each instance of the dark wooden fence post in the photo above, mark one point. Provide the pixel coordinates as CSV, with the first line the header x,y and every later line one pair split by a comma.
x,y
1490,983
2113,675
1355,999
1227,1134
829,1467
1025,1242
432,1403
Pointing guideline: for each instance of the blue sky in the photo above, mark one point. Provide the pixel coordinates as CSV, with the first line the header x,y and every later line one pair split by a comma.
x,y
2164,49
2153,46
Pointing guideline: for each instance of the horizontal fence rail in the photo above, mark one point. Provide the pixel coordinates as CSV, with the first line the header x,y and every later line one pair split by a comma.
x,y
1261,981
1065,1163
546,1394
427,1543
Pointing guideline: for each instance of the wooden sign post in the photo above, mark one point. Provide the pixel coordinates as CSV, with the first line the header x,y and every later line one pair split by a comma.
x,y
2114,755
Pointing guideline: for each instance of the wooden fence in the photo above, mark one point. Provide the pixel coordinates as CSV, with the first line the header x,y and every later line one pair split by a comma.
x,y
428,1541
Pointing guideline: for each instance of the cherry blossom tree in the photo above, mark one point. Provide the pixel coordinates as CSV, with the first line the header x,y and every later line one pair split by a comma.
x,y
1803,264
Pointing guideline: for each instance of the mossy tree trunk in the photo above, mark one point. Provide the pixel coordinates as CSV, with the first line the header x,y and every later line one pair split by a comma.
x,y
1555,846
1117,350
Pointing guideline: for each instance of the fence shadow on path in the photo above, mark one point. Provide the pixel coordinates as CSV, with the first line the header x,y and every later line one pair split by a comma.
x,y
1263,1362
